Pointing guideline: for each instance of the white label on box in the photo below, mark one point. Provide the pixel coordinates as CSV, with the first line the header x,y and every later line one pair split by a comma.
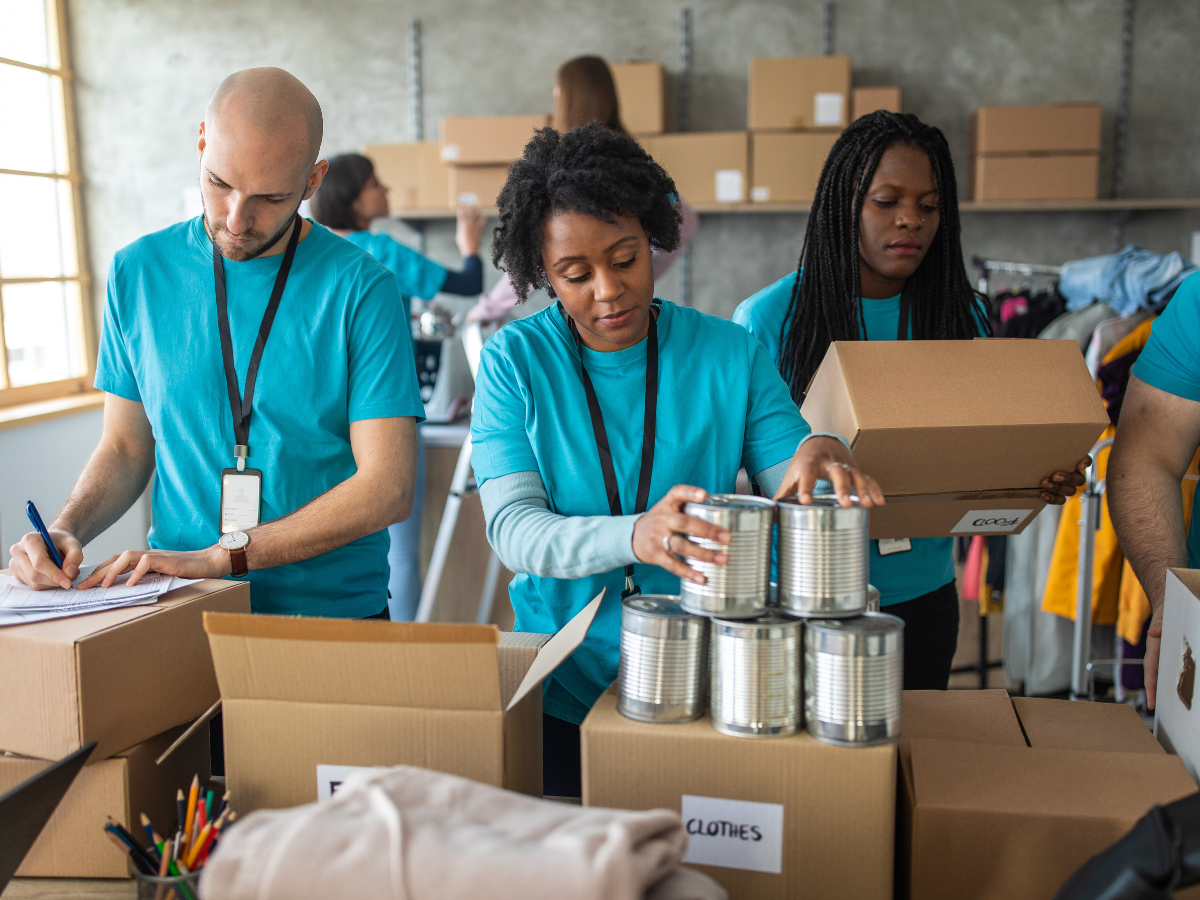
x,y
729,186
450,152
829,109
888,546
760,194
991,521
736,834
468,198
330,778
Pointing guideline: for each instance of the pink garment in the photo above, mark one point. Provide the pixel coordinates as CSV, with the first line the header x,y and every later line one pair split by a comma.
x,y
412,834
973,568
496,303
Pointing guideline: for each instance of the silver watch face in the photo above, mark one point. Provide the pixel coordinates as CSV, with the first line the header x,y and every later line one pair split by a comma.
x,y
235,540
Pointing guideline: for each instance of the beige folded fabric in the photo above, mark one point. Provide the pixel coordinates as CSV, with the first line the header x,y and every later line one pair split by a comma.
x,y
413,834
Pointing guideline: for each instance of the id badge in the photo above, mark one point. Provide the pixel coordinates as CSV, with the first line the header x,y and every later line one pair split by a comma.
x,y
241,499
888,546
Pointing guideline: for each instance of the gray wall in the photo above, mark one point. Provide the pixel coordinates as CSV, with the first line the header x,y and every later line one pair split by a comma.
x,y
147,67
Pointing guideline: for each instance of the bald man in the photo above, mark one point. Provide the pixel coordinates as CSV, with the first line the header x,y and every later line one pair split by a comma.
x,y
262,367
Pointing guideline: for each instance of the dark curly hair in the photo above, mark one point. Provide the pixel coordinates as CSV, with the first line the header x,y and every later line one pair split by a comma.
x,y
591,169
825,304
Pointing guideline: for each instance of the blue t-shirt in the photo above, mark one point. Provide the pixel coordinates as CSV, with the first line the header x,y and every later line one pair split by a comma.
x,y
416,275
721,406
338,353
930,563
1170,361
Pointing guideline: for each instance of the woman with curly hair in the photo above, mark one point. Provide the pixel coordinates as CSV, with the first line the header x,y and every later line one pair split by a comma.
x,y
599,417
882,261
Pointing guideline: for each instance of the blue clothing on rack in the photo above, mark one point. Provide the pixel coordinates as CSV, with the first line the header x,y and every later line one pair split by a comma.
x,y
1127,281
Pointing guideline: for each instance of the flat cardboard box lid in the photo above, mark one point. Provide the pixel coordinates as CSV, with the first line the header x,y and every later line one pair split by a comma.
x,y
1068,725
927,417
984,717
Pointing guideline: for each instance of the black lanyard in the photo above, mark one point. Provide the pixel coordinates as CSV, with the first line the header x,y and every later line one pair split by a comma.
x,y
648,427
902,329
239,406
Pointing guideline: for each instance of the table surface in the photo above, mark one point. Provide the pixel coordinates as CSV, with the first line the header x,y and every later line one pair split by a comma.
x,y
70,889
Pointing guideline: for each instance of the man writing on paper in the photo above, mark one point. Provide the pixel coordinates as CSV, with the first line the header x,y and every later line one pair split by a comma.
x,y
262,367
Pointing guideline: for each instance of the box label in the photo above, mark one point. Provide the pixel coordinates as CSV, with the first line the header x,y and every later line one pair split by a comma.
x,y
735,834
468,198
330,778
991,521
829,109
450,152
760,194
729,187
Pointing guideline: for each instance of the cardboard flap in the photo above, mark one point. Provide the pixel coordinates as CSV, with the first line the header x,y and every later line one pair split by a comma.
x,y
557,649
1070,725
827,404
1189,578
343,661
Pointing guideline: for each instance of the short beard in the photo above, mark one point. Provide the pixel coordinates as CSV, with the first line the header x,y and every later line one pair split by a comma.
x,y
246,254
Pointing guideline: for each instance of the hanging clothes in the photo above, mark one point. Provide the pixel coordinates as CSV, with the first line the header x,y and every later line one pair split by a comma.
x,y
1078,326
1127,281
1041,310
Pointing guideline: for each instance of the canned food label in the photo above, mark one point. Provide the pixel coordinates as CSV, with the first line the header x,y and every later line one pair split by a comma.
x,y
330,778
735,834
991,521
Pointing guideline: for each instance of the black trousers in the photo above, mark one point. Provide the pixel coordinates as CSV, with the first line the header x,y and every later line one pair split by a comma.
x,y
930,637
561,769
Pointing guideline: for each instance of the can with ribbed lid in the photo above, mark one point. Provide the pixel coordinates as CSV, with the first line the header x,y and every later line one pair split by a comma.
x,y
755,681
823,558
663,651
853,679
739,589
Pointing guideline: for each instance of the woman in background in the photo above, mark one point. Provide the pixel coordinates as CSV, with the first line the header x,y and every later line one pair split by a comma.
x,y
882,261
349,198
584,92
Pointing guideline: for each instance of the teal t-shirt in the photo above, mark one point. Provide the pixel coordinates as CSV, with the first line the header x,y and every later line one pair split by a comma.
x,y
721,406
1170,361
416,275
899,576
337,353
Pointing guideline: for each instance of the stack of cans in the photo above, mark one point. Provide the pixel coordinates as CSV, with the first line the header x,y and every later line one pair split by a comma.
x,y
662,660
756,680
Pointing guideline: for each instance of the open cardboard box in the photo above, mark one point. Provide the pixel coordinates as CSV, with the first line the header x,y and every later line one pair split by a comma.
x,y
1003,799
300,694
959,434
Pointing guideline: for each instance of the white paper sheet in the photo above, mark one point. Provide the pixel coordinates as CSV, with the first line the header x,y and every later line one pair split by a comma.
x,y
21,605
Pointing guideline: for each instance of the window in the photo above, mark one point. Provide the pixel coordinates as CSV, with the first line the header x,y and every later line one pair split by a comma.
x,y
45,305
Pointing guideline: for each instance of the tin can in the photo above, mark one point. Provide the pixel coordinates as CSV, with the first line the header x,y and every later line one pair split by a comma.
x,y
755,676
663,649
740,589
823,558
872,598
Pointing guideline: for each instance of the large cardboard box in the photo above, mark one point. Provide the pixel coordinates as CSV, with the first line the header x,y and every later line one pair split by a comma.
x,y
1176,723
799,92
868,99
117,677
1049,177
487,140
1050,128
415,174
959,434
642,96
989,818
476,185
73,843
708,167
779,818
298,694
785,166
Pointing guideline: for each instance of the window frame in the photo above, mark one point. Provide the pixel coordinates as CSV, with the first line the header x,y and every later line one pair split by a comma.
x,y
81,384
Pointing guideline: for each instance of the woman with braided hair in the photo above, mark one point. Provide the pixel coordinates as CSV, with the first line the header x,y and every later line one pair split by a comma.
x,y
678,400
882,261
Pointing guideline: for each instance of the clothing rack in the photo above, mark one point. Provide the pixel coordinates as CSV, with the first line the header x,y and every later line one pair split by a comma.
x,y
1029,270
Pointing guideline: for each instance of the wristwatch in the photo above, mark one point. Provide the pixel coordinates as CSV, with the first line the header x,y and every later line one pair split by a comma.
x,y
235,542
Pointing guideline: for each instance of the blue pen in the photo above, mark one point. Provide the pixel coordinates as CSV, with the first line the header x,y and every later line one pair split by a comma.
x,y
31,511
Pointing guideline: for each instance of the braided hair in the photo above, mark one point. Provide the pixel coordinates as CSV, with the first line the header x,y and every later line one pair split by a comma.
x,y
826,303
591,169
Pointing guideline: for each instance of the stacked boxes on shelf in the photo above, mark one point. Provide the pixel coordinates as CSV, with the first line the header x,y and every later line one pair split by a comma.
x,y
642,96
1049,152
414,173
479,150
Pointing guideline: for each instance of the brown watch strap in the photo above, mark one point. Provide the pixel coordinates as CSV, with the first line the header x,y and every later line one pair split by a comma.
x,y
237,560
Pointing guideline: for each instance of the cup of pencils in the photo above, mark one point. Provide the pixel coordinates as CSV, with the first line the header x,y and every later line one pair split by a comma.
x,y
169,868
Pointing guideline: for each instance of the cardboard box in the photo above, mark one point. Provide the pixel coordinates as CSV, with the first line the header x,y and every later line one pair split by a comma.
x,y
959,434
73,843
1053,177
117,677
708,167
785,166
476,185
799,92
792,817
1176,723
415,174
868,99
487,140
642,96
1050,128
983,816
298,694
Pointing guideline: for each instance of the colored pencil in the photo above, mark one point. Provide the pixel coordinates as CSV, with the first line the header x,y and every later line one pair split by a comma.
x,y
180,810
200,842
223,804
209,799
139,856
191,809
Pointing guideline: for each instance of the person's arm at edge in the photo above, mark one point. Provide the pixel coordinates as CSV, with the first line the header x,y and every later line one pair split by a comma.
x,y
114,477
1154,445
467,235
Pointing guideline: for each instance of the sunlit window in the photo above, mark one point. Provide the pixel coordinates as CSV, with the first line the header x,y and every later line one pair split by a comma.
x,y
43,279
